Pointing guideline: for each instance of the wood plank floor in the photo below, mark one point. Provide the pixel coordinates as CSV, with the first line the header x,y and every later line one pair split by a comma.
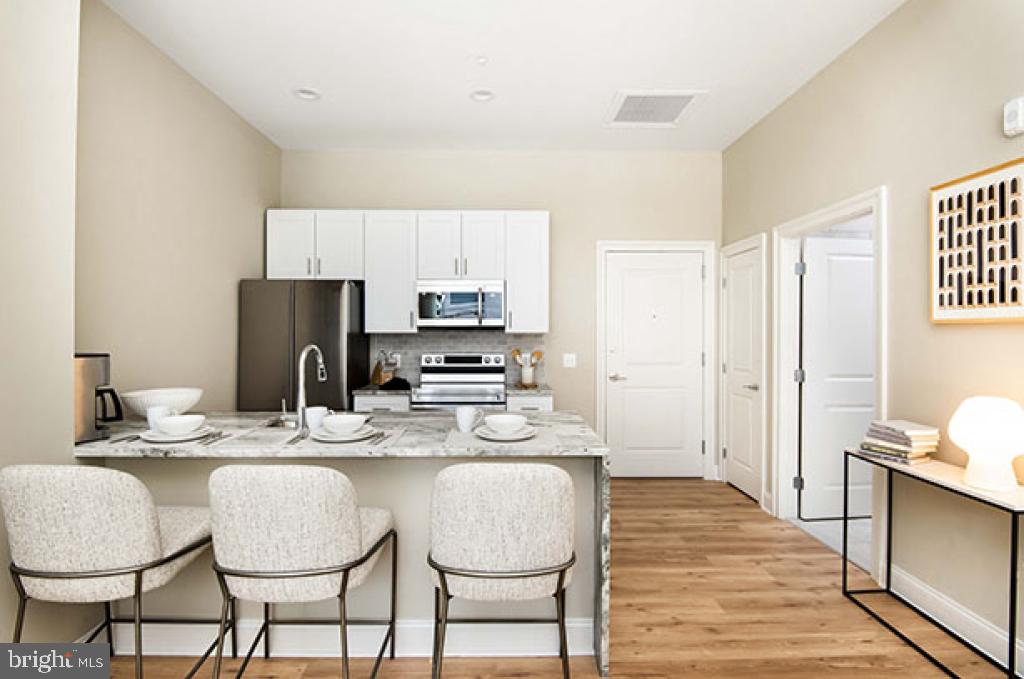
x,y
704,584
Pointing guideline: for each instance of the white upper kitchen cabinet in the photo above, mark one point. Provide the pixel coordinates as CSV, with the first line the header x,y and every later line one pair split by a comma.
x,y
291,243
483,245
339,244
390,247
439,242
527,271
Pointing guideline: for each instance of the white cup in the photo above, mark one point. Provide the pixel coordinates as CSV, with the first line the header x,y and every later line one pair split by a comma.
x,y
315,416
156,413
467,417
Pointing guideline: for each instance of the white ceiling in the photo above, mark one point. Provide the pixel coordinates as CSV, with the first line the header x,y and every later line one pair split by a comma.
x,y
398,73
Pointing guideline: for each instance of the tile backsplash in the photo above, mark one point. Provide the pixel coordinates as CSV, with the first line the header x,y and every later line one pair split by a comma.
x,y
451,340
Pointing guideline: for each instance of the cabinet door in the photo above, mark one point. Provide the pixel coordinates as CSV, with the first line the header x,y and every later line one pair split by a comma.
x,y
390,246
290,243
527,271
483,245
439,243
339,244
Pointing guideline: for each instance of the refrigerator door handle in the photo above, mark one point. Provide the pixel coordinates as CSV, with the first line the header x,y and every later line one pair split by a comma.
x,y
346,315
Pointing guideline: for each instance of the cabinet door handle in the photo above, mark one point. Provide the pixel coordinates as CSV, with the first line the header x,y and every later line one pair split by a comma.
x,y
309,266
412,324
465,266
616,377
509,323
317,266
456,265
529,407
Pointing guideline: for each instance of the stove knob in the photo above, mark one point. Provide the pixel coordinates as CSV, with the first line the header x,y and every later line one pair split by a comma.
x,y
487,359
499,359
438,359
428,359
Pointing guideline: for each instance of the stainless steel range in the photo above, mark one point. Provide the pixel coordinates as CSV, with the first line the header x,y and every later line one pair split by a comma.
x,y
451,380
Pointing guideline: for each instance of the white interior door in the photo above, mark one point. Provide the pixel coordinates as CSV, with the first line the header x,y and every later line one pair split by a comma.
x,y
743,345
654,338
839,365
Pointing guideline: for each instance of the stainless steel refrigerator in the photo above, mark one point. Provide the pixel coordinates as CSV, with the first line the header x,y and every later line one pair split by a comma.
x,y
277,318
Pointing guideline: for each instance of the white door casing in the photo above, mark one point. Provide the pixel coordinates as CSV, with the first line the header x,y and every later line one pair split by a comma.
x,y
839,368
339,244
439,238
654,345
743,416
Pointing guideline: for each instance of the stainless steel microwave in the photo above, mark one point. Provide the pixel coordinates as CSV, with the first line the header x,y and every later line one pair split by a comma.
x,y
460,303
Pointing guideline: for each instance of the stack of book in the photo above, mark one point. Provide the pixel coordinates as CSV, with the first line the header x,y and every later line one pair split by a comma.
x,y
900,441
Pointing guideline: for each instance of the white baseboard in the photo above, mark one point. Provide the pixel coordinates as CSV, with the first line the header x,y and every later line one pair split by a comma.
x,y
987,636
415,639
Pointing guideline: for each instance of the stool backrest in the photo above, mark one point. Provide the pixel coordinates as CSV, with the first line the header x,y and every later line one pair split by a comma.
x,y
274,518
68,518
502,517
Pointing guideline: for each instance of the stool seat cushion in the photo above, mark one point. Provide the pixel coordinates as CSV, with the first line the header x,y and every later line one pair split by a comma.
x,y
179,527
291,518
75,519
502,517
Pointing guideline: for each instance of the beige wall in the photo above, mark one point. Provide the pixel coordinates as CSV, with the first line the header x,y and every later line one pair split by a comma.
x,y
916,102
38,75
592,196
172,185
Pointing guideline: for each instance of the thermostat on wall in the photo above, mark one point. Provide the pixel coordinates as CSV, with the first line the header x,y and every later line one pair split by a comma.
x,y
1013,117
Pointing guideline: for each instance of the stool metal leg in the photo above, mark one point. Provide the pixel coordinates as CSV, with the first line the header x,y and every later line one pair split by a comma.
x,y
138,625
563,644
394,589
266,623
437,628
343,624
109,626
234,627
442,626
221,629
19,621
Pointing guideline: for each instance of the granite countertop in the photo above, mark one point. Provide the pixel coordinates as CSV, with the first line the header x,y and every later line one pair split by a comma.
x,y
510,389
560,434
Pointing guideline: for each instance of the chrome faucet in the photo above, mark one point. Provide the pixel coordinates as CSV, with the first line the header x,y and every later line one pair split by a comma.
x,y
321,376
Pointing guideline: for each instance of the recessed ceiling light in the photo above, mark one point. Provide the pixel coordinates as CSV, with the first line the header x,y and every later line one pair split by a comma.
x,y
306,94
482,60
481,95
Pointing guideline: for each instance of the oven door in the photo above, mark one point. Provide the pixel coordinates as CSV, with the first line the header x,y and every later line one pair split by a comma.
x,y
460,303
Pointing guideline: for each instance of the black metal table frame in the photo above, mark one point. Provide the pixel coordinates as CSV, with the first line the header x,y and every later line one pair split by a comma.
x,y
852,594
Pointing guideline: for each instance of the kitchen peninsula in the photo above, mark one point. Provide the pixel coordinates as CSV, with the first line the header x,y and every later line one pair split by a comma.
x,y
396,472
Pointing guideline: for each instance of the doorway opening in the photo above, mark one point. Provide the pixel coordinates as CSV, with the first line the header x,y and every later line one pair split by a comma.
x,y
830,378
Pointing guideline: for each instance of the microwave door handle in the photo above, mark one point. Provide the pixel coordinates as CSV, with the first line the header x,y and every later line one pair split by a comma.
x,y
480,306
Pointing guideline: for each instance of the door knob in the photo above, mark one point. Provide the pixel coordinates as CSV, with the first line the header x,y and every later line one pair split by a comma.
x,y
752,387
616,377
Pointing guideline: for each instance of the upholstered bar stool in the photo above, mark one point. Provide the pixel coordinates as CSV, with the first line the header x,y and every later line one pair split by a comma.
x,y
501,532
93,535
293,534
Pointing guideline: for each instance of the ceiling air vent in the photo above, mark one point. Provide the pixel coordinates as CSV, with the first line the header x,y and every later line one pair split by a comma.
x,y
650,108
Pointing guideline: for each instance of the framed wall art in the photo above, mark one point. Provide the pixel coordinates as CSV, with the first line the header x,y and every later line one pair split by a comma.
x,y
977,268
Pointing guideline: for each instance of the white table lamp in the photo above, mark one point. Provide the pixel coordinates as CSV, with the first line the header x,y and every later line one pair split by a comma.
x,y
991,431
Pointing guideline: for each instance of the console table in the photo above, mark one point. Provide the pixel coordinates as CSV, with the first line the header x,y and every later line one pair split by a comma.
x,y
949,478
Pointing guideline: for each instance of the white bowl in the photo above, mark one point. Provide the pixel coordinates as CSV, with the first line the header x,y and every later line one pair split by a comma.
x,y
505,423
179,425
179,400
344,423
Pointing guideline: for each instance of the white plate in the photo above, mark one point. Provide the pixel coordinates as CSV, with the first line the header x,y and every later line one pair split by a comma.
x,y
324,436
151,436
488,434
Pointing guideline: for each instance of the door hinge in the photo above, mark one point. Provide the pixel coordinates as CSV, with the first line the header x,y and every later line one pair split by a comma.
x,y
703,359
723,282
703,447
723,369
703,271
725,452
798,482
800,268
799,376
